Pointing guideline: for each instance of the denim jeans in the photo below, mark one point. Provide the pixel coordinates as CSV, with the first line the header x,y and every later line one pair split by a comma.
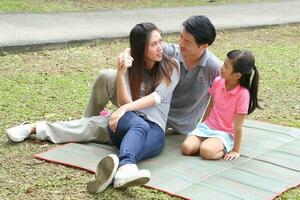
x,y
137,138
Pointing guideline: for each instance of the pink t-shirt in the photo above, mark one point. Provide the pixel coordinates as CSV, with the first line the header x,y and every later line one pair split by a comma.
x,y
226,105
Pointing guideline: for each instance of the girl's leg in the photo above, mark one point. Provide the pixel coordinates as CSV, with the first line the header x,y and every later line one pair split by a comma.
x,y
191,145
212,149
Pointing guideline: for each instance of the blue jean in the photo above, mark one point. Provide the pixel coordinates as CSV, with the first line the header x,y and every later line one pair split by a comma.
x,y
137,138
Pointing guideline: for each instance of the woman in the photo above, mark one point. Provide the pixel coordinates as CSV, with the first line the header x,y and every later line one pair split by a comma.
x,y
145,84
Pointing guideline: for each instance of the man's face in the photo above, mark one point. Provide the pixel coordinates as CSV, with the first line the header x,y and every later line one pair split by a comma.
x,y
188,45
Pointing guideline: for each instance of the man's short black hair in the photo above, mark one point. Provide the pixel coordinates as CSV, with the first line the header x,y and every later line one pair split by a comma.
x,y
201,28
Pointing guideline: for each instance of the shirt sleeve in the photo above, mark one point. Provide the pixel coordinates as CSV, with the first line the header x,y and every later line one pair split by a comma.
x,y
243,102
214,85
171,50
163,90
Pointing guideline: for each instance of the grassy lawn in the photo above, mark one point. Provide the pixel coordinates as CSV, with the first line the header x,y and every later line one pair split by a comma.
x,y
87,5
55,85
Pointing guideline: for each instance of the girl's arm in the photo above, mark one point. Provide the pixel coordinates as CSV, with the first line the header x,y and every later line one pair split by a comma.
x,y
208,109
238,129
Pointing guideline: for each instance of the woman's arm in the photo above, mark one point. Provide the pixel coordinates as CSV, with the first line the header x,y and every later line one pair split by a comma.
x,y
123,96
144,102
161,92
238,129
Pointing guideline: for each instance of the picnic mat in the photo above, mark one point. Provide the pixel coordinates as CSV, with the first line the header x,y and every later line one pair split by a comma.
x,y
269,165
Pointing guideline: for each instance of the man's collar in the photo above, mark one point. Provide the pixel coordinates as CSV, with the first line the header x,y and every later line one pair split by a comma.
x,y
202,62
204,58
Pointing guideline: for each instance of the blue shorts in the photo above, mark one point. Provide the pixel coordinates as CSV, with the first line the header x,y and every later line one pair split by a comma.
x,y
202,130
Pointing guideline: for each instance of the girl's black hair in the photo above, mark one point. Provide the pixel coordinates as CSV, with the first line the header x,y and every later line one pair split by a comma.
x,y
244,63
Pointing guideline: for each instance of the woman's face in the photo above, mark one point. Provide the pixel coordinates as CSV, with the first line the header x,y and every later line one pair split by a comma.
x,y
154,49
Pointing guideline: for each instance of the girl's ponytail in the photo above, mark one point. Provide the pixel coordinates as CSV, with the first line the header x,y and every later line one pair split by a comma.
x,y
253,90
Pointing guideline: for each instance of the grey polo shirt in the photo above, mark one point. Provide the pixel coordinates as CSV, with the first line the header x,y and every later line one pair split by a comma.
x,y
190,96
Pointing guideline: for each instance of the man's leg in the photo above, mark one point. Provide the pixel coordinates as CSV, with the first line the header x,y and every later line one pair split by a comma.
x,y
93,129
103,91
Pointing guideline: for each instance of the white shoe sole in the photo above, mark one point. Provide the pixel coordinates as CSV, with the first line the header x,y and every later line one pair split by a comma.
x,y
105,172
138,179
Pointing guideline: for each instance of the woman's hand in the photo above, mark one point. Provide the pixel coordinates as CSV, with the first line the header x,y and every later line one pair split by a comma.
x,y
232,155
123,62
114,118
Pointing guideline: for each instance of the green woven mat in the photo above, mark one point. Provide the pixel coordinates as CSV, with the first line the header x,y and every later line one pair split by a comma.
x,y
269,164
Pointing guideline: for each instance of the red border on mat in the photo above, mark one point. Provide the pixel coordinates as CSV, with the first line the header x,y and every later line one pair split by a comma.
x,y
280,193
38,156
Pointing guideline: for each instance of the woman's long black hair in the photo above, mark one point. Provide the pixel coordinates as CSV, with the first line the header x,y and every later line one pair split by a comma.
x,y
138,73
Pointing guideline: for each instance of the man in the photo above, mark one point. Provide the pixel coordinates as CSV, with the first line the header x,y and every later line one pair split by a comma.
x,y
199,67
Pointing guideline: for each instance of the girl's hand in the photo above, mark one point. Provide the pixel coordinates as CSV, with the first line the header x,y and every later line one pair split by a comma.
x,y
232,155
114,118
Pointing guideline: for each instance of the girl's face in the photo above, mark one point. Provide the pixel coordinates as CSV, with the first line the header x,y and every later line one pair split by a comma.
x,y
227,70
154,49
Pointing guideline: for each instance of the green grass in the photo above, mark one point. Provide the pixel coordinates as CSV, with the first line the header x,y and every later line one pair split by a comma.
x,y
87,5
55,85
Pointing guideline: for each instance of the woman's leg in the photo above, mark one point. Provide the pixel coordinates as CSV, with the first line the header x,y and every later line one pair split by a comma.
x,y
130,136
212,149
154,143
138,139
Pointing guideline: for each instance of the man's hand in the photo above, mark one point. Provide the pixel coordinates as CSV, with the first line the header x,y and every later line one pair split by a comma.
x,y
232,155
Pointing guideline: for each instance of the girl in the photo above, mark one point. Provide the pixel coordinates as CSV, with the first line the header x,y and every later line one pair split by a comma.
x,y
233,96
144,92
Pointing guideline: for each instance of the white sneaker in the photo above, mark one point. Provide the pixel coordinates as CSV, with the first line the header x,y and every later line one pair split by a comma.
x,y
19,133
129,175
105,172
